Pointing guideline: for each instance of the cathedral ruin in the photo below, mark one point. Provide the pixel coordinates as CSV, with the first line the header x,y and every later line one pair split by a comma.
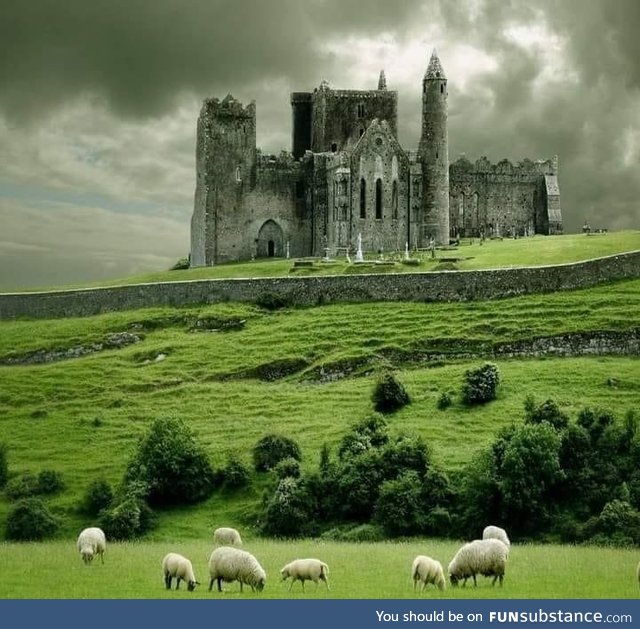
x,y
348,175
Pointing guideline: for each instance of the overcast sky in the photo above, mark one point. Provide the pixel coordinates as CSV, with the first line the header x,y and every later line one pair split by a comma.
x,y
99,100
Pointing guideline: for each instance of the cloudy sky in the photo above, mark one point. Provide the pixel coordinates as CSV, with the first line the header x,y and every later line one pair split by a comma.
x,y
99,100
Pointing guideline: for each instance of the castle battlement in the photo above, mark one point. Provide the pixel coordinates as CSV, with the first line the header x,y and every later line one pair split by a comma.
x,y
505,167
229,106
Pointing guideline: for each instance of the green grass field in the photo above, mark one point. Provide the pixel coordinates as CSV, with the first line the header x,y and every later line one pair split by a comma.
x,y
83,417
364,571
536,251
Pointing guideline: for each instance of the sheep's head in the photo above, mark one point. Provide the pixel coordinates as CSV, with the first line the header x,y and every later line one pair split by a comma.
x,y
87,554
260,584
454,580
192,585
285,573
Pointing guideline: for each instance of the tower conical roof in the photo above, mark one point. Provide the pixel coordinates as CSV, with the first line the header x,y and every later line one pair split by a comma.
x,y
382,81
434,69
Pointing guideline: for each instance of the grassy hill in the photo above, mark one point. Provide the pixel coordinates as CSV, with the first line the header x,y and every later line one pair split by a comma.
x,y
83,416
471,254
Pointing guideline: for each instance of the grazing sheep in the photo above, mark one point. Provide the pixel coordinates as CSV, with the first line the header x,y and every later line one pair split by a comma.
x,y
92,542
485,556
306,570
495,532
226,536
174,565
231,564
428,571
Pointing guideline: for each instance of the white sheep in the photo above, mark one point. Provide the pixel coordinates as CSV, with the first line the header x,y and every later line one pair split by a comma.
x,y
226,536
487,557
495,532
427,570
175,565
306,570
231,564
91,542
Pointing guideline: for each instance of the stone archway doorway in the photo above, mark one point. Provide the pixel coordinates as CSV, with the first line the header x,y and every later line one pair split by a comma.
x,y
270,240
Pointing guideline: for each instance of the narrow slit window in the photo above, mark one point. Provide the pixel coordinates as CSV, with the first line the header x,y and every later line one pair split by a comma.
x,y
363,199
378,198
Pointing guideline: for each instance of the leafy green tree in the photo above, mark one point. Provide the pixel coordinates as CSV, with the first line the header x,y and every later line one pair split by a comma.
x,y
481,384
399,508
389,395
171,464
271,449
30,520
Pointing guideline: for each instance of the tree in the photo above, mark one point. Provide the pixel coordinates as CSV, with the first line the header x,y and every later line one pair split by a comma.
x,y
172,465
389,395
480,384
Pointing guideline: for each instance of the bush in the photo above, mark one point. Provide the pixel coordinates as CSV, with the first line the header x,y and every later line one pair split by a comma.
x,y
355,533
174,468
30,520
444,401
124,521
388,394
369,433
480,384
23,486
50,482
99,496
548,411
288,468
271,301
271,449
399,507
290,510
235,473
4,466
181,265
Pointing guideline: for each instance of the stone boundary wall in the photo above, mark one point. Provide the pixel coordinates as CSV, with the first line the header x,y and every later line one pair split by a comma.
x,y
443,286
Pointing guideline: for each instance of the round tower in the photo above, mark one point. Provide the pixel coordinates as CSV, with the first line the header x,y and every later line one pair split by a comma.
x,y
433,153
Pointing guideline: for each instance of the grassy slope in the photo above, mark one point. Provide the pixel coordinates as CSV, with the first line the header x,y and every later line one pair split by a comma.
x,y
54,570
125,394
491,254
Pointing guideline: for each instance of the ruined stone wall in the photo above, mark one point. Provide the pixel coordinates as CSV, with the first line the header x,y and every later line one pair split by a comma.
x,y
499,199
309,291
225,172
340,117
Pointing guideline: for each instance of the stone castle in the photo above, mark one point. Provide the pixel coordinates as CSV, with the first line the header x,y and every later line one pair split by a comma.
x,y
347,176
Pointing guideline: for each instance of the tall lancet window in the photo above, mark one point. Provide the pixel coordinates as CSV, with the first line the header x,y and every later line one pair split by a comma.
x,y
394,199
378,198
363,198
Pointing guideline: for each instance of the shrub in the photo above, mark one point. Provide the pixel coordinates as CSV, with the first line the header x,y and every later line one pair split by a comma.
x,y
50,482
174,468
130,516
444,401
271,449
271,301
290,510
23,486
30,520
548,411
388,394
180,265
235,473
399,507
288,468
369,433
4,466
99,496
480,384
355,533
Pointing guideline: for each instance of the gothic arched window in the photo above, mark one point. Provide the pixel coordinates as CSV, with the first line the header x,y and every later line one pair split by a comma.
x,y
378,198
394,200
363,198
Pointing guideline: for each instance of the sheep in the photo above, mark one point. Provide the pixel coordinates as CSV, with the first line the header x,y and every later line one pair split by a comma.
x,y
428,571
175,565
306,570
231,564
485,556
495,532
226,536
92,542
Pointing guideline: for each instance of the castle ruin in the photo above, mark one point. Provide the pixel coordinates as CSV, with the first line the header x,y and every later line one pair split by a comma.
x,y
348,175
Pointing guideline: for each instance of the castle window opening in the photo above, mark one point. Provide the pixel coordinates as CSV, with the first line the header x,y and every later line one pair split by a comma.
x,y
394,199
361,131
360,110
334,147
441,88
379,198
363,198
378,141
238,178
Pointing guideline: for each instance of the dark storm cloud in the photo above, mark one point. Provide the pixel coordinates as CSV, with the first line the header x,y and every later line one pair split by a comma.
x,y
586,111
140,55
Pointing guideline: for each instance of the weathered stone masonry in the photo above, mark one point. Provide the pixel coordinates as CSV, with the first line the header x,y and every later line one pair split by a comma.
x,y
308,291
348,175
